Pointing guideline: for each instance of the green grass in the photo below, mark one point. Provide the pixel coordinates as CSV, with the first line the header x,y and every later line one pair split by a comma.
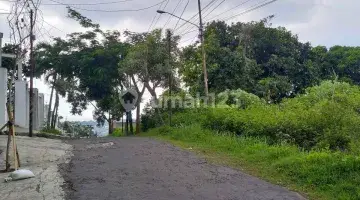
x,y
315,174
51,131
118,132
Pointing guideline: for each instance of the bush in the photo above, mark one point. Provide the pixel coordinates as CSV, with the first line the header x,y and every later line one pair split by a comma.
x,y
51,131
327,117
118,133
238,99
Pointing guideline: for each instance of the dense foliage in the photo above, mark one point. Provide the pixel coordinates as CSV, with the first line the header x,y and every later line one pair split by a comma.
x,y
269,62
76,129
325,117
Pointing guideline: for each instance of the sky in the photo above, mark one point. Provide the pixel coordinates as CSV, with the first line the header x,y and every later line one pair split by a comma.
x,y
320,22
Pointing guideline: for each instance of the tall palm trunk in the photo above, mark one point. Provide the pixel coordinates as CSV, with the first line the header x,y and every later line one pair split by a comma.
x,y
56,115
48,119
53,120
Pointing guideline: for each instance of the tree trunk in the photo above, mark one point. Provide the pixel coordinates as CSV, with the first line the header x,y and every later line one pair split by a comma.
x,y
138,119
122,124
127,124
140,94
56,115
111,125
54,111
131,124
50,104
153,94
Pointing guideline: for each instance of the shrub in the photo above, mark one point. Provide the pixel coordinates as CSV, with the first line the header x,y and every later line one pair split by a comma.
x,y
189,117
238,99
326,117
118,133
51,131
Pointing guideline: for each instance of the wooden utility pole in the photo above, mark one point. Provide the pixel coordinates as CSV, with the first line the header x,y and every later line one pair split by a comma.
x,y
201,36
32,68
170,76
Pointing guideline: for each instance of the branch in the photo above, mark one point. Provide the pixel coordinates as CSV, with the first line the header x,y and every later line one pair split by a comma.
x,y
140,93
96,108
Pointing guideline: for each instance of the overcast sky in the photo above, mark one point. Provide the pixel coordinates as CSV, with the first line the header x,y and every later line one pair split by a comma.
x,y
320,22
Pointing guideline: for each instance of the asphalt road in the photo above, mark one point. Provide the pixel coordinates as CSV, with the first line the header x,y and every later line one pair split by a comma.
x,y
146,169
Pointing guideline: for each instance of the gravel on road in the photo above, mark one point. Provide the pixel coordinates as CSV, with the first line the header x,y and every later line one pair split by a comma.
x,y
143,168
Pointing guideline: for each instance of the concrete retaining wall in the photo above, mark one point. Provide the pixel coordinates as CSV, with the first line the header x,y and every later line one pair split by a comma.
x,y
3,96
21,101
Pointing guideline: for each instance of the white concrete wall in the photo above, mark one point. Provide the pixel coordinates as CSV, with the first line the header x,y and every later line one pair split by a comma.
x,y
46,110
36,124
36,108
27,107
3,96
21,101
41,110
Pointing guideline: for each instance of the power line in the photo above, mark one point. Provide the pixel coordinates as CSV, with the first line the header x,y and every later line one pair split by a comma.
x,y
170,17
208,6
197,14
153,20
78,4
214,8
87,4
192,38
97,10
262,4
187,3
43,20
157,20
190,31
242,3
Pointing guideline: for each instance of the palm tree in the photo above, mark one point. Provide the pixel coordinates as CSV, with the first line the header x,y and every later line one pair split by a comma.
x,y
49,58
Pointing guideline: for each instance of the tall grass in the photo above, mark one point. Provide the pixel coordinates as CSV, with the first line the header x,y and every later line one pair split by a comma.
x,y
321,174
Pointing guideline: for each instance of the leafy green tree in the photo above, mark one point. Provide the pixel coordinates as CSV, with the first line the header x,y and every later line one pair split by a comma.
x,y
93,66
251,56
52,60
148,60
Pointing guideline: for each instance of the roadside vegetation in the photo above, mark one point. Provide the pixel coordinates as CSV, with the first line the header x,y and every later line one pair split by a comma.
x,y
308,143
51,131
285,110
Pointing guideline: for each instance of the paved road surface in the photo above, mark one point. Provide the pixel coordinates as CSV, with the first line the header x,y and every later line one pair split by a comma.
x,y
145,169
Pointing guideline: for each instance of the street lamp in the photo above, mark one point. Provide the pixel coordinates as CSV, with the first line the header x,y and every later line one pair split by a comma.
x,y
164,12
201,36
